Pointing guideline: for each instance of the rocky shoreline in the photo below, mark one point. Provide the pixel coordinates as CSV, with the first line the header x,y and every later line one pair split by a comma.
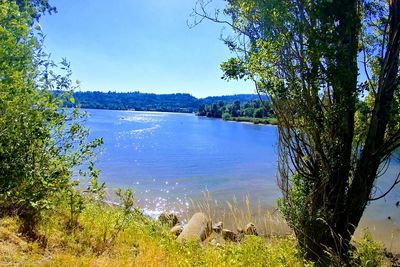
x,y
201,228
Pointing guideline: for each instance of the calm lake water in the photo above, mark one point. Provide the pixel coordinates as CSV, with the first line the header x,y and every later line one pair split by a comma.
x,y
170,158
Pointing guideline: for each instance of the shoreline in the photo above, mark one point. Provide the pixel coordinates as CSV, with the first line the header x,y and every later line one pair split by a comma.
x,y
246,120
266,218
255,121
147,111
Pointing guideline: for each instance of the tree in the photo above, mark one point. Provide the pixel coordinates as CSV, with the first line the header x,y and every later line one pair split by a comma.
x,y
41,143
336,128
234,108
202,110
35,8
249,112
259,113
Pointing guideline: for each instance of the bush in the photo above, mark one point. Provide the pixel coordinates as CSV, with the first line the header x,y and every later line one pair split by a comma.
x,y
369,252
40,141
226,116
295,206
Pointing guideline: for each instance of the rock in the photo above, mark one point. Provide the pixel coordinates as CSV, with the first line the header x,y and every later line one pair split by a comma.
x,y
198,228
228,235
177,229
397,203
250,229
169,219
218,227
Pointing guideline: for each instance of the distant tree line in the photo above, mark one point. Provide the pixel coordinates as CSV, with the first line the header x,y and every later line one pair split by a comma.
x,y
229,111
150,102
137,101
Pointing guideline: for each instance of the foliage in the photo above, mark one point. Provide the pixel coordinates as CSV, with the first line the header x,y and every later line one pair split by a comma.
x,y
298,194
150,102
129,211
235,111
35,8
233,68
40,142
137,101
226,116
369,251
336,128
242,98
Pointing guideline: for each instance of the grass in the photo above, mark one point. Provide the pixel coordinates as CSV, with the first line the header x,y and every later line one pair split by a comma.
x,y
108,236
142,242
237,213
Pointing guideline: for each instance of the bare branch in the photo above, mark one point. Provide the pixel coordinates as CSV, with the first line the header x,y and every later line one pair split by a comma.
x,y
396,182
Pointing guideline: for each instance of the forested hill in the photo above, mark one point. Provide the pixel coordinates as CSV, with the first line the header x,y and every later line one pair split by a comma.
x,y
243,98
151,102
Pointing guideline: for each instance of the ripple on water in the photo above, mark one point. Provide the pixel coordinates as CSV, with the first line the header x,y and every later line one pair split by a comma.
x,y
138,133
143,117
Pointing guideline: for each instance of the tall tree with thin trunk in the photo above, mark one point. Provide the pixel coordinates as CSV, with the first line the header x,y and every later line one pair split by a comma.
x,y
331,71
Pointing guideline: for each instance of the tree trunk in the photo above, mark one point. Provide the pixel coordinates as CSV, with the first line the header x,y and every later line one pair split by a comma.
x,y
323,230
371,156
336,213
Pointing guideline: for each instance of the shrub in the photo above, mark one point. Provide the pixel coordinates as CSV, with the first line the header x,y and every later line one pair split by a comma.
x,y
226,116
369,252
40,141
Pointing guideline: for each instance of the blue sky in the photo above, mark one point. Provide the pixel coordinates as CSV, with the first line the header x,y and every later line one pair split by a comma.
x,y
139,45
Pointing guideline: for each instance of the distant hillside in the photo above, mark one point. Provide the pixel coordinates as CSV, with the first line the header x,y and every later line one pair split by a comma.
x,y
228,99
152,102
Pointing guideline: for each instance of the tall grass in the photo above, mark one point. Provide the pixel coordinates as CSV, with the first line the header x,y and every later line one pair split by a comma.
x,y
101,239
236,214
142,242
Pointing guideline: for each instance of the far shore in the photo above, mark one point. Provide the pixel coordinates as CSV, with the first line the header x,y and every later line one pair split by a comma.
x,y
263,121
244,120
134,110
249,120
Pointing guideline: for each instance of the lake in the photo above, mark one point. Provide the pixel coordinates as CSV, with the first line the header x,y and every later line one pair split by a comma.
x,y
169,159
167,156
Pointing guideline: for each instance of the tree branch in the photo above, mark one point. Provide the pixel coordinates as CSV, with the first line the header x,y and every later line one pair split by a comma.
x,y
396,182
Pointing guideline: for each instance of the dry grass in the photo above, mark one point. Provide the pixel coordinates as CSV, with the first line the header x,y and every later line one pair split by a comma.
x,y
142,242
237,214
146,242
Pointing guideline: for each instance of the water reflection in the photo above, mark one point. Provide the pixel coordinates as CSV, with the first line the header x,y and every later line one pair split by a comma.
x,y
169,159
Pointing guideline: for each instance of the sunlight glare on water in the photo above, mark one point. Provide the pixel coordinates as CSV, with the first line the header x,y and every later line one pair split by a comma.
x,y
170,158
